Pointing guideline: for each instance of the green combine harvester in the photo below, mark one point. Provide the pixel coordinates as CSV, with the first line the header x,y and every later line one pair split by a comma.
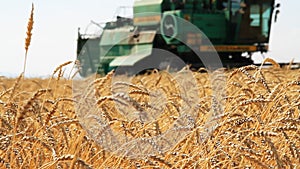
x,y
235,29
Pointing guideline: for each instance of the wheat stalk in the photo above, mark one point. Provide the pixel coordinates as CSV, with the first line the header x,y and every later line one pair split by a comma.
x,y
29,34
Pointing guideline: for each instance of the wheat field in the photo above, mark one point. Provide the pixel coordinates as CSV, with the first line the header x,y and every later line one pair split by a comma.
x,y
242,118
258,126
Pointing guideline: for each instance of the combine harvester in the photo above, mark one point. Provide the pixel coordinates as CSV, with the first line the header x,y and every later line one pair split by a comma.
x,y
234,28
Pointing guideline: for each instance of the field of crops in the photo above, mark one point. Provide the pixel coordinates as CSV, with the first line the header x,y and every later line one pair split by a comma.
x,y
257,125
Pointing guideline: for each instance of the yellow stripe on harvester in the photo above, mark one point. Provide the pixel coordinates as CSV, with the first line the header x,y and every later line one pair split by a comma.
x,y
145,19
227,48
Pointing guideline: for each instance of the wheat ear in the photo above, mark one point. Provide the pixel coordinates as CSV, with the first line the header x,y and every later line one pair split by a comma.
x,y
60,67
273,62
28,38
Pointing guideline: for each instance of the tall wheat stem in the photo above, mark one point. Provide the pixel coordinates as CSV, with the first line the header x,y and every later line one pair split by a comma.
x,y
28,38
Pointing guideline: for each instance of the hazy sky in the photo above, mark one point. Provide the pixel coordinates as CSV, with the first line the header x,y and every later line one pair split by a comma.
x,y
55,32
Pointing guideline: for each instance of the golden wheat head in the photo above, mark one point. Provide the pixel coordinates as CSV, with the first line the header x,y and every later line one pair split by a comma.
x,y
29,29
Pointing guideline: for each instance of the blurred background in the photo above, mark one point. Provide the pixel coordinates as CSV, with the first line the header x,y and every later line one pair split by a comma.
x,y
56,24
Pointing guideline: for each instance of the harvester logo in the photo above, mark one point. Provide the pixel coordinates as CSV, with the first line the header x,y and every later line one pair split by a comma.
x,y
136,115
